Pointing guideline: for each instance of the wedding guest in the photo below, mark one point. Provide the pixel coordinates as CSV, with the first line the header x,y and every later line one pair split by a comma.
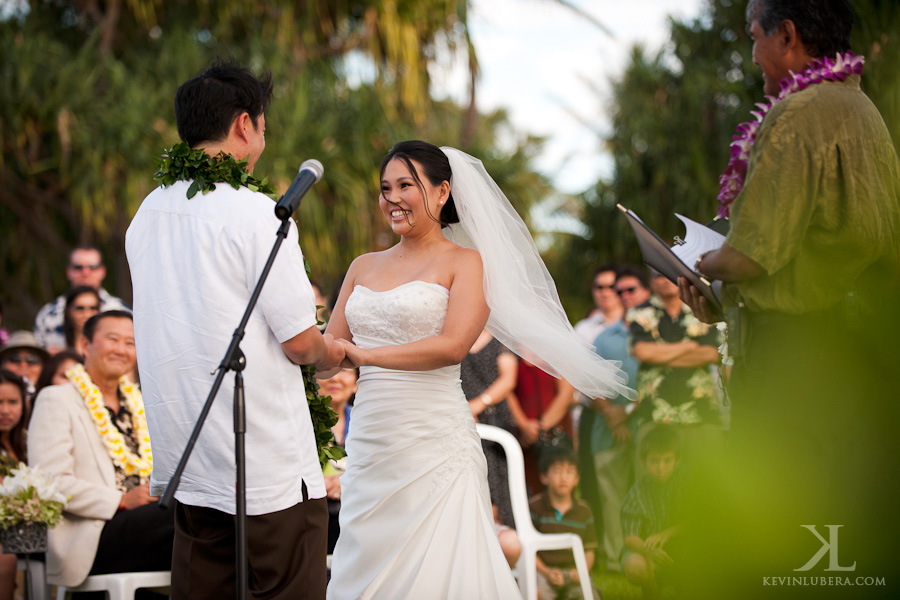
x,y
540,406
85,268
92,436
12,451
556,510
54,372
25,357
674,382
607,308
606,311
488,375
611,439
82,303
650,513
13,417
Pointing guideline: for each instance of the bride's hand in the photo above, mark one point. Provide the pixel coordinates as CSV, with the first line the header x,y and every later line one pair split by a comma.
x,y
353,353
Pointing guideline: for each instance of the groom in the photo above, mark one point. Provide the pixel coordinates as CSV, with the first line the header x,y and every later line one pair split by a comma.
x,y
194,264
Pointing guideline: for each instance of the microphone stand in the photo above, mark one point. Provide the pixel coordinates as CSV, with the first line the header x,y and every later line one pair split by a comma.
x,y
233,360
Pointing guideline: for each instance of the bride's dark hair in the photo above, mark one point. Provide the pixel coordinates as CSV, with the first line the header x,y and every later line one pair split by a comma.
x,y
436,168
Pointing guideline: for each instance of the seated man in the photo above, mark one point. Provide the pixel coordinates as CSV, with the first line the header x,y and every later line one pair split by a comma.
x,y
92,435
85,269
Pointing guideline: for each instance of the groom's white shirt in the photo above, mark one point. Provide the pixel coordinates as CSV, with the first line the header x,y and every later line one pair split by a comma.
x,y
194,264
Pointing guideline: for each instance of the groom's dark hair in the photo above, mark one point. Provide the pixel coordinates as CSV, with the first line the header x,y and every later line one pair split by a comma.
x,y
436,168
207,104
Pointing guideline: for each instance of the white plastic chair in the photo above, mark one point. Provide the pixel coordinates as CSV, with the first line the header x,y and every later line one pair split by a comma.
x,y
119,586
36,587
530,538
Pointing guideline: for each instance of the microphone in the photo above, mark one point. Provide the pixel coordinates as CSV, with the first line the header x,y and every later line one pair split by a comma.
x,y
310,173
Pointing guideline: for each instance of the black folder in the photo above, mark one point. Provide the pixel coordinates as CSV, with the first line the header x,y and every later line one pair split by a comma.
x,y
658,255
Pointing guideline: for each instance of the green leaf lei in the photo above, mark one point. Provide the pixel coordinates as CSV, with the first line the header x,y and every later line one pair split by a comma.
x,y
183,163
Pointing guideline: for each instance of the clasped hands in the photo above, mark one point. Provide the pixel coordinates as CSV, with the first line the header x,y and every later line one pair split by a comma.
x,y
341,353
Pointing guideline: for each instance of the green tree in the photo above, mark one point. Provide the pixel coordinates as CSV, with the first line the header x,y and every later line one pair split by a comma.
x,y
86,92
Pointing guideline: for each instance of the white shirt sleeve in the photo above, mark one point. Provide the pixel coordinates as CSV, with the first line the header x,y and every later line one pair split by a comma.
x,y
287,301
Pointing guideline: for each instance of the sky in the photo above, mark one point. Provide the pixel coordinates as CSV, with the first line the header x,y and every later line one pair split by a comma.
x,y
550,68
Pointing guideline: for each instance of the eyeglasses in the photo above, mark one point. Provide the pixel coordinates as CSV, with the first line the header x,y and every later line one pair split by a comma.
x,y
629,290
598,286
86,308
28,359
85,267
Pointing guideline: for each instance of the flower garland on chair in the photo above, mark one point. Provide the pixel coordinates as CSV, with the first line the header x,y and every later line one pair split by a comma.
x,y
140,464
183,163
819,70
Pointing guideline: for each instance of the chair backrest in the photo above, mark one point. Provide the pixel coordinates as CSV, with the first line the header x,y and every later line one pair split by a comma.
x,y
515,467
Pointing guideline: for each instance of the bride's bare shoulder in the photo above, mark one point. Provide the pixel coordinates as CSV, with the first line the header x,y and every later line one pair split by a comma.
x,y
464,258
463,253
364,261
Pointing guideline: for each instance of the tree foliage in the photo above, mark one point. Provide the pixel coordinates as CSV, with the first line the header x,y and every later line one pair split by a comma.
x,y
673,116
86,90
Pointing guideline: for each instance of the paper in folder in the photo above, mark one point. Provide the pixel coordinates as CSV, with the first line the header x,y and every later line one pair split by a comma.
x,y
679,260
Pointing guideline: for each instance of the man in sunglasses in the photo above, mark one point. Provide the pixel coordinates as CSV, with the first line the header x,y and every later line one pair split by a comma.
x,y
85,269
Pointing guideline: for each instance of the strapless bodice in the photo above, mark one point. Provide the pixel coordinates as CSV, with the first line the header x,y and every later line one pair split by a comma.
x,y
415,515
407,313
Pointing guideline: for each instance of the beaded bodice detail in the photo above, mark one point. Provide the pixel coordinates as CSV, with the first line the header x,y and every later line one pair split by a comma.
x,y
409,312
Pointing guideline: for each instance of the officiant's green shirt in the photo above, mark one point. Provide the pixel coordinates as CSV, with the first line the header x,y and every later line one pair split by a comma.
x,y
820,210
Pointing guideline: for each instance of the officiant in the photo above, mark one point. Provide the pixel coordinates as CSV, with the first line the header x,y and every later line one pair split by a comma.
x,y
810,266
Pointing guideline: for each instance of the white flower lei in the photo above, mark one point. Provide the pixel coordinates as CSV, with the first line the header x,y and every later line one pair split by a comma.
x,y
112,438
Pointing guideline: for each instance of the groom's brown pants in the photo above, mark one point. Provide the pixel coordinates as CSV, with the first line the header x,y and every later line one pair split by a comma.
x,y
286,553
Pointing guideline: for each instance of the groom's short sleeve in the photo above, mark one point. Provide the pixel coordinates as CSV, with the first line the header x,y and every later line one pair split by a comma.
x,y
287,301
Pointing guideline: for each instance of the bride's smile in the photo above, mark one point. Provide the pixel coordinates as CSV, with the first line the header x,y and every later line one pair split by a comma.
x,y
407,198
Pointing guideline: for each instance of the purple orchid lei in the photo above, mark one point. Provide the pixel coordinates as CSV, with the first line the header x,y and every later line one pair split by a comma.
x,y
824,69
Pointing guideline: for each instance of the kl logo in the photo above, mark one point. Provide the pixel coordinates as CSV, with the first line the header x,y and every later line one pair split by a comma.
x,y
830,548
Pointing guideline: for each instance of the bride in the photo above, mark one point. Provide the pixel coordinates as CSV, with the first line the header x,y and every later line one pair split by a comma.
x,y
416,516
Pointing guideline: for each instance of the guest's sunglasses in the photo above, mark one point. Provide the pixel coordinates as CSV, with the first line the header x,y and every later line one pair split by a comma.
x,y
629,290
28,359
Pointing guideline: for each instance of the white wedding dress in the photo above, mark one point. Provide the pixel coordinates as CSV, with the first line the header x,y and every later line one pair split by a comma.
x,y
415,516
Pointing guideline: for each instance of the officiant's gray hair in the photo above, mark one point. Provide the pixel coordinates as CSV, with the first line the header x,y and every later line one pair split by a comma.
x,y
824,25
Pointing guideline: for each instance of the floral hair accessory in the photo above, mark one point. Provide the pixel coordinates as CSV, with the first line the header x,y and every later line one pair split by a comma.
x,y
819,70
